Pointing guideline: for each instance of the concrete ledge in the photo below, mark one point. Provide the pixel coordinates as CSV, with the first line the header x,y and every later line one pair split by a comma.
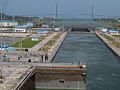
x,y
115,50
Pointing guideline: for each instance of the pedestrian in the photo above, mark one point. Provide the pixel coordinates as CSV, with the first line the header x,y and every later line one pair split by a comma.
x,y
46,57
42,57
18,57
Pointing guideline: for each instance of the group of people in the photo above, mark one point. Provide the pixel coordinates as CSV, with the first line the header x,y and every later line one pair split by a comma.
x,y
44,57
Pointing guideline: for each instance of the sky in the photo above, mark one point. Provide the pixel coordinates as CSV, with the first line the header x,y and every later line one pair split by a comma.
x,y
69,8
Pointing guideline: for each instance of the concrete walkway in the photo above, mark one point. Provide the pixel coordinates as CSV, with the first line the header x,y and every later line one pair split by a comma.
x,y
109,44
55,47
43,42
33,54
115,38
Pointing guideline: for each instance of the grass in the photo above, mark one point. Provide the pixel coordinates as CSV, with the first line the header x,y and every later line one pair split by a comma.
x,y
108,37
57,36
50,43
117,44
26,43
116,35
47,46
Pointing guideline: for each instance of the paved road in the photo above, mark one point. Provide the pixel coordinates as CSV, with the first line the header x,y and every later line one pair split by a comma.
x,y
41,44
55,47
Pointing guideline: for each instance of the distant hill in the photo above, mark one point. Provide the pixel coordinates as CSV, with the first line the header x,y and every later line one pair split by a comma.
x,y
20,19
6,17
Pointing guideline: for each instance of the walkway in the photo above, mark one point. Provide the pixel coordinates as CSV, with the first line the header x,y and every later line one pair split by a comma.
x,y
110,45
117,39
42,43
55,47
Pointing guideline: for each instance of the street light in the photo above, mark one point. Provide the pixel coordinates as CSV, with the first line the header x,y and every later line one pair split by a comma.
x,y
1,29
13,27
1,73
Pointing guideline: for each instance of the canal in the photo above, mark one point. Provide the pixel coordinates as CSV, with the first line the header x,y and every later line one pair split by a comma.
x,y
102,66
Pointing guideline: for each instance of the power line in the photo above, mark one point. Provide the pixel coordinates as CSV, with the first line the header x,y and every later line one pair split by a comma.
x,y
56,11
1,28
92,14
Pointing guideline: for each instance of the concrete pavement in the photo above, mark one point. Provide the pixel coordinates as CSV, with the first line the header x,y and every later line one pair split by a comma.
x,y
42,43
55,47
109,44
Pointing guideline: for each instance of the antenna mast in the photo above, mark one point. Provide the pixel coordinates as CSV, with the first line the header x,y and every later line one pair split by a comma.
x,y
56,11
1,28
92,14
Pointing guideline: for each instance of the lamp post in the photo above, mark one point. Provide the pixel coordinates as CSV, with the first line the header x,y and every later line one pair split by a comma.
x,y
92,14
116,23
13,27
30,24
1,29
1,73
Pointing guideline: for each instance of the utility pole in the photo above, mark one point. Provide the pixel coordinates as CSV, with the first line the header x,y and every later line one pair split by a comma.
x,y
92,14
56,15
56,19
30,24
38,22
1,28
13,27
56,11
1,73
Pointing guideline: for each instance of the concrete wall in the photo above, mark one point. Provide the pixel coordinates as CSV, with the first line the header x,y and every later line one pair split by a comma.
x,y
16,34
42,74
63,72
29,84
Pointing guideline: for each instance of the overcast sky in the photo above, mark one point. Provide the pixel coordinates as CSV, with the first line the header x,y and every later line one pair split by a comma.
x,y
73,8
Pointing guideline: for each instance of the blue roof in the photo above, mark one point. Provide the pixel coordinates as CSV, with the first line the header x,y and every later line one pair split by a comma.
x,y
26,25
101,28
8,21
42,31
11,48
113,31
45,23
4,46
35,36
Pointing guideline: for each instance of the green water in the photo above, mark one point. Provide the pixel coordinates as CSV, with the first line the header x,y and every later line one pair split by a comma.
x,y
103,68
55,89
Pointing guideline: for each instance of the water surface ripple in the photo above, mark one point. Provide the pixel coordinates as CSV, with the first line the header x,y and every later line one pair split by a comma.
x,y
102,66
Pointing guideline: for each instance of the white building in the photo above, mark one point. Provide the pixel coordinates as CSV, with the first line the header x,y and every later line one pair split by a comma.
x,y
102,29
30,24
23,28
43,32
45,25
57,29
114,32
35,37
8,23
